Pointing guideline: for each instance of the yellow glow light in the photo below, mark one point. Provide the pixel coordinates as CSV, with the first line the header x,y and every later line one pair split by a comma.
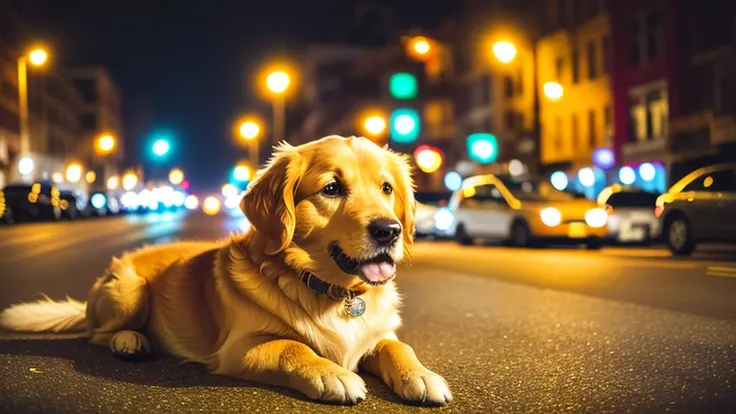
x,y
375,125
74,173
429,160
176,176
278,81
113,182
38,57
242,173
504,51
249,130
421,45
211,206
229,190
105,144
90,177
130,180
553,91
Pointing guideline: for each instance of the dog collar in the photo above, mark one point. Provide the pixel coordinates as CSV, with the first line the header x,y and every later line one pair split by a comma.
x,y
353,306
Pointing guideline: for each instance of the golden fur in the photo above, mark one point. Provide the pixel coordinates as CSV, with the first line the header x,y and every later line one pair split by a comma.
x,y
240,308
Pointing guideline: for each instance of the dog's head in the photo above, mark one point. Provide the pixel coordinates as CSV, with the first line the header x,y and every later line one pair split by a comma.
x,y
341,208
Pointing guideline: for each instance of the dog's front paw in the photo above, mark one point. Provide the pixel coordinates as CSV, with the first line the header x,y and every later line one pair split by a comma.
x,y
423,387
334,386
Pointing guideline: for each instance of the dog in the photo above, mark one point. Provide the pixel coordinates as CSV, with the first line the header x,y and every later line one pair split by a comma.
x,y
303,299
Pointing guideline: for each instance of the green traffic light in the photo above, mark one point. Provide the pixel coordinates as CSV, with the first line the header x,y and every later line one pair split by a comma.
x,y
482,147
402,86
405,125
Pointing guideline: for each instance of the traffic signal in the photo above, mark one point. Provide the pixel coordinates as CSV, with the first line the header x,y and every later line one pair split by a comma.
x,y
161,147
402,85
405,125
429,159
482,147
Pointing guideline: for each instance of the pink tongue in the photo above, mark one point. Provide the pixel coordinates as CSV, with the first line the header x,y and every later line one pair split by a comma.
x,y
378,272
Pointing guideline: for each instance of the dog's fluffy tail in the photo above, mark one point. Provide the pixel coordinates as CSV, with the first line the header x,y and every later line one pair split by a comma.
x,y
45,315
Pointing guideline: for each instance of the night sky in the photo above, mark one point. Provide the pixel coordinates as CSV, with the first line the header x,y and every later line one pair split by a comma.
x,y
190,68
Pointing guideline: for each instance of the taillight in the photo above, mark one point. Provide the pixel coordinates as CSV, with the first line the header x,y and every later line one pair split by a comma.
x,y
658,210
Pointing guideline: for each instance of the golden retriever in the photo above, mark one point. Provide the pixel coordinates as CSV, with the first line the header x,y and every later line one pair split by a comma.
x,y
301,300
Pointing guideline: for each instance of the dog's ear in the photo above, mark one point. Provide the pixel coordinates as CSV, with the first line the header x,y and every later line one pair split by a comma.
x,y
269,201
406,205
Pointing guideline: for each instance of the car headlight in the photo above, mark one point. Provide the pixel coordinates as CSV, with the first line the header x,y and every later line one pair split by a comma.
x,y
596,217
550,216
443,219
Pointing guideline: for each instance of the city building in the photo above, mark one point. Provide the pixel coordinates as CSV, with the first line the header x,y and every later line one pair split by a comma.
x,y
101,115
574,52
12,36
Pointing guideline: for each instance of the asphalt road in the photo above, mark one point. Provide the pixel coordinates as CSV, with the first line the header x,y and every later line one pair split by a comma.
x,y
511,330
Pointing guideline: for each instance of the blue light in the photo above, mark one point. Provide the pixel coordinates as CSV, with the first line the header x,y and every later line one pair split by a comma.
x,y
453,181
559,180
627,175
647,172
482,147
603,158
161,147
405,125
98,200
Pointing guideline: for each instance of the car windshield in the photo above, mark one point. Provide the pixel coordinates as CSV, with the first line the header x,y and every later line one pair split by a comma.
x,y
632,199
534,190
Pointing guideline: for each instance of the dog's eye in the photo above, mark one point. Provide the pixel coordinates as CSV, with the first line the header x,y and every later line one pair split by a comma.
x,y
386,188
331,190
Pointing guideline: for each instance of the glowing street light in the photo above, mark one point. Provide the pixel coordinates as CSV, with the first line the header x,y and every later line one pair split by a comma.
x,y
504,51
420,48
229,190
241,173
113,182
74,173
26,165
90,177
161,147
553,91
38,57
278,81
35,57
249,130
176,176
211,206
375,125
428,159
130,180
105,144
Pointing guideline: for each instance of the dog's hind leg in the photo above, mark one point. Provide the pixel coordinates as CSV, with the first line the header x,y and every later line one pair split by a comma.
x,y
117,308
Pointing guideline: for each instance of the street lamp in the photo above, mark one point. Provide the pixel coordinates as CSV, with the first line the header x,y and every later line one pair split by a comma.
x,y
374,125
74,173
161,147
176,176
130,180
36,57
504,51
105,144
249,130
277,82
420,48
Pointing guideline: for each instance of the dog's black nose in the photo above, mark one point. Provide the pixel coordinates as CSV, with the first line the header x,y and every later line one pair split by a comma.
x,y
384,231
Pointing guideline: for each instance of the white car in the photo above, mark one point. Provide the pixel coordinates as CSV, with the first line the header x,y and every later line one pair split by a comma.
x,y
631,216
424,220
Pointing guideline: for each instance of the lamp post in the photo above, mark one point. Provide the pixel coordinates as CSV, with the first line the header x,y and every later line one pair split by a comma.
x,y
36,57
249,130
277,83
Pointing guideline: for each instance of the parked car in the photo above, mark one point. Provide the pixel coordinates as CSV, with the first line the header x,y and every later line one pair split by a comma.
x,y
521,210
631,216
32,202
700,208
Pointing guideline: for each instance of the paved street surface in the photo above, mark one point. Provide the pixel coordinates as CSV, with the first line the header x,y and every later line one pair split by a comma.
x,y
512,330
